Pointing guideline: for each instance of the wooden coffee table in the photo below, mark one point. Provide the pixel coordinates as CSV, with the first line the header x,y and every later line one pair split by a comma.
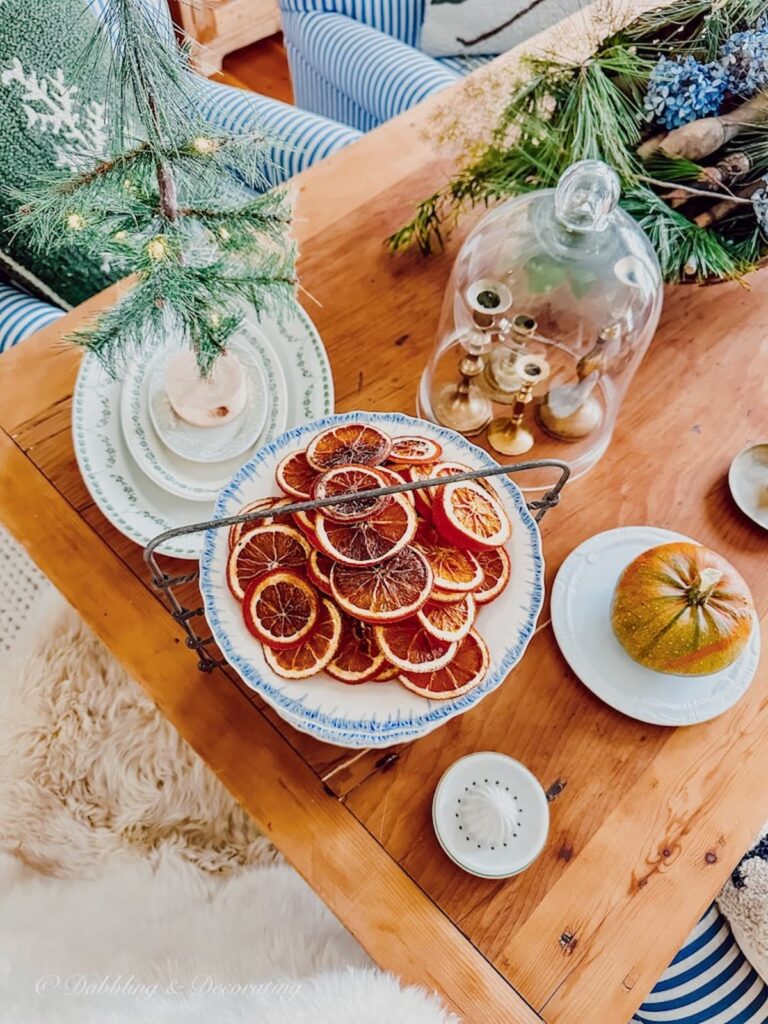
x,y
646,822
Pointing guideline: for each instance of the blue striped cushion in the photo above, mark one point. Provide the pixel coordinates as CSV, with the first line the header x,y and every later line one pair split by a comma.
x,y
302,138
325,98
708,982
381,75
400,19
21,315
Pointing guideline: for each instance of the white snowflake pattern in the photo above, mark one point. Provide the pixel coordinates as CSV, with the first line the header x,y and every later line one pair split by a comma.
x,y
54,108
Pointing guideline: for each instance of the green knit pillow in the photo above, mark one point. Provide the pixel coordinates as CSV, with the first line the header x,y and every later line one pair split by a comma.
x,y
49,118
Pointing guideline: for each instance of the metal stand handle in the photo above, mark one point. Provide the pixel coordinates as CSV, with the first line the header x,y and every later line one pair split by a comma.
x,y
167,584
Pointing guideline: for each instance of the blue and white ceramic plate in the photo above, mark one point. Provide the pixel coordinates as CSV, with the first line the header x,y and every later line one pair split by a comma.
x,y
385,713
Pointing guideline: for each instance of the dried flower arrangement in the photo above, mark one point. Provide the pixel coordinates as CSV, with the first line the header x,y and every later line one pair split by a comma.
x,y
676,101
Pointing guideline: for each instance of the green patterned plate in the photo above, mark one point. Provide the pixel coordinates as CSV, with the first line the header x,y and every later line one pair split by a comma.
x,y
133,503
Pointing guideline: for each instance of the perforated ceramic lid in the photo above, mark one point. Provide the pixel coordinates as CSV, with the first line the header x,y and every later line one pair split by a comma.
x,y
491,815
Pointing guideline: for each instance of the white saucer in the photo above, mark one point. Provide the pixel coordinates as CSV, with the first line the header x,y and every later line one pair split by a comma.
x,y
194,443
195,481
531,815
580,608
747,477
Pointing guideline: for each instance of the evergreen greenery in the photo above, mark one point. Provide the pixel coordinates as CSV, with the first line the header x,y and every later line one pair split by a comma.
x,y
596,109
172,203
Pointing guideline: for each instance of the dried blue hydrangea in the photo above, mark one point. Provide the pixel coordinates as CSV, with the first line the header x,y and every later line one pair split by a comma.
x,y
682,90
760,206
745,58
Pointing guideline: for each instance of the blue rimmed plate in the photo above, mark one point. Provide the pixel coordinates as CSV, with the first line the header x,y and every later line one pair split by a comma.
x,y
385,713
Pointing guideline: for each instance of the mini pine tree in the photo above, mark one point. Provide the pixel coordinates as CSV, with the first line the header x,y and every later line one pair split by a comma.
x,y
169,203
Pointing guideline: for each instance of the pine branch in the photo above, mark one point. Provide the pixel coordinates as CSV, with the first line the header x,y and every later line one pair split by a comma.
x,y
564,112
169,208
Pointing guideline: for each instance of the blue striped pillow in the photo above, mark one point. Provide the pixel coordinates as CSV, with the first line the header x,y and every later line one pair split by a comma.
x,y
710,981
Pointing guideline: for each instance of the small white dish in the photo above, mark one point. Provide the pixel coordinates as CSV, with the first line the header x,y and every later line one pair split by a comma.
x,y
490,815
195,481
748,481
581,619
209,444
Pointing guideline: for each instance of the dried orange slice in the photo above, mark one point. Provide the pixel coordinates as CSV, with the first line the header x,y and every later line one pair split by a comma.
x,y
412,648
393,479
440,596
426,495
385,592
468,515
346,445
280,609
349,480
386,673
449,622
467,670
314,652
414,449
319,570
295,476
453,568
388,530
306,523
358,657
236,531
422,496
496,567
261,550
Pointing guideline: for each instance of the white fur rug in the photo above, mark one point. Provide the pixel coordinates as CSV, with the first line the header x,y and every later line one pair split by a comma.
x,y
132,887
744,901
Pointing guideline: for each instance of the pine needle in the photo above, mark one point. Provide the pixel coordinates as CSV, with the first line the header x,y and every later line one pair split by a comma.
x,y
168,203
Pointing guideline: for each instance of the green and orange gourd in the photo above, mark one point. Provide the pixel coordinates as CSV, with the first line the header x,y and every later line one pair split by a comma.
x,y
682,609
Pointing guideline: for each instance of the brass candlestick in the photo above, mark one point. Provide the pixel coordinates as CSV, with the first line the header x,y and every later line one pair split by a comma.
x,y
572,411
506,434
463,406
501,381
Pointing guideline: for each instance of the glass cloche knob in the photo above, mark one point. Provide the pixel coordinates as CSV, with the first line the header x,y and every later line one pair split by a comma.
x,y
586,195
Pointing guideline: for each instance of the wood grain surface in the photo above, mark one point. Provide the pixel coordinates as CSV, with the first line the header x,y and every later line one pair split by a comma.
x,y
647,822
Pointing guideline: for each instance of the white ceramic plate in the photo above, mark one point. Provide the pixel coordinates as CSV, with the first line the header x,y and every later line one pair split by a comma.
x,y
130,500
385,713
207,445
581,604
196,481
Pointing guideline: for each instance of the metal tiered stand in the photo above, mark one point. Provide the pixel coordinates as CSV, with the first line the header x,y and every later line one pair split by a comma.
x,y
188,618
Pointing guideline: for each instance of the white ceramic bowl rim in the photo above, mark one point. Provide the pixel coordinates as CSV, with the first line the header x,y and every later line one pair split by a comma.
x,y
441,710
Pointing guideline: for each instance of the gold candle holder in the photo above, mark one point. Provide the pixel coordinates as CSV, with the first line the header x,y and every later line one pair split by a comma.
x,y
501,382
463,406
572,411
507,434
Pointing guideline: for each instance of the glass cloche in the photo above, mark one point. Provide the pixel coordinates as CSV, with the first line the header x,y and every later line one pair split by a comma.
x,y
552,302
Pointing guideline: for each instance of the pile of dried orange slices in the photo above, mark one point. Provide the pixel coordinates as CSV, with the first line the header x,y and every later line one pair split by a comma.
x,y
374,588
